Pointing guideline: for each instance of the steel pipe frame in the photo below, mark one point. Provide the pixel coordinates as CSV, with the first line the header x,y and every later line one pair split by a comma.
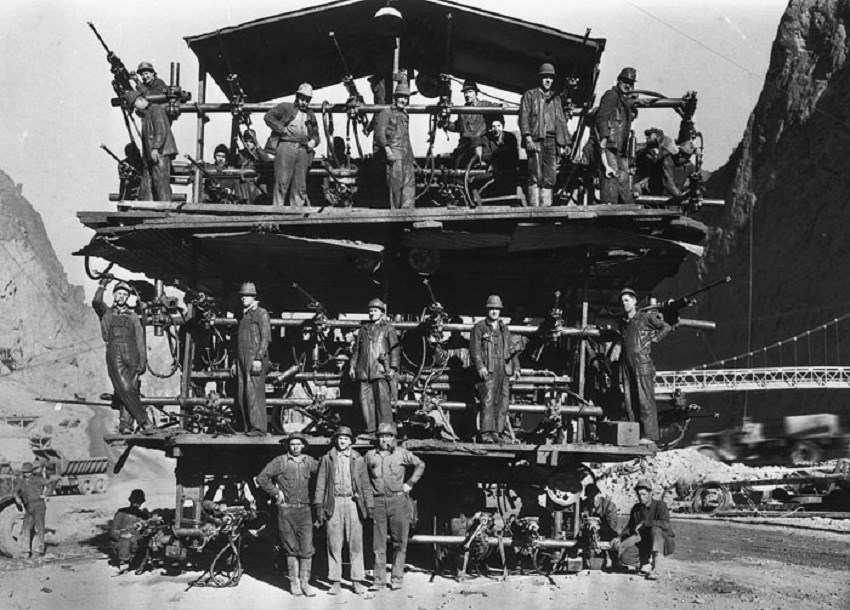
x,y
342,403
331,377
491,541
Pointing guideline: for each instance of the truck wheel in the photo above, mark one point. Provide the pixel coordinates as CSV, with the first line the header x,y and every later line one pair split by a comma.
x,y
11,523
805,452
85,487
100,486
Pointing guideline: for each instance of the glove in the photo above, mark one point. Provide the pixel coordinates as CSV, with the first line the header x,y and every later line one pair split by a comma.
x,y
155,155
531,146
390,155
256,368
482,373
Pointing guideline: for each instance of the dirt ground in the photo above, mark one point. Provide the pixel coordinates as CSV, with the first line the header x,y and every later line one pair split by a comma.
x,y
716,565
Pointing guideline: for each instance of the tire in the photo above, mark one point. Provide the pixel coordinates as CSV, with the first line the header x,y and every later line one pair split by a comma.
x,y
805,452
85,486
11,523
100,486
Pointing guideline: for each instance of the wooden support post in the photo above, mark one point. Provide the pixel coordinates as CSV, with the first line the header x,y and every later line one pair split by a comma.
x,y
197,185
582,358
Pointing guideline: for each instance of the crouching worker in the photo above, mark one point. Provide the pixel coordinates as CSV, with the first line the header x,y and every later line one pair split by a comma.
x,y
125,531
649,534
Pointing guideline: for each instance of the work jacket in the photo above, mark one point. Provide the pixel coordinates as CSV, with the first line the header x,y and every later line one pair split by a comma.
x,y
532,107
471,125
294,477
638,335
31,491
156,87
156,132
489,349
393,130
125,520
254,334
605,509
388,469
502,154
614,120
323,497
120,326
655,515
280,116
376,351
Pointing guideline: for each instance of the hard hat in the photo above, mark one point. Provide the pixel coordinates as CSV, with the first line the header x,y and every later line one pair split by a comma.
x,y
221,148
494,301
546,69
131,96
628,291
248,290
469,84
628,74
386,428
293,436
145,66
654,130
305,89
344,431
643,484
376,302
123,286
27,467
137,496
402,89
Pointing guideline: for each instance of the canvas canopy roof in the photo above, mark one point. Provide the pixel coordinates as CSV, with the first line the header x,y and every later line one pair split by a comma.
x,y
272,56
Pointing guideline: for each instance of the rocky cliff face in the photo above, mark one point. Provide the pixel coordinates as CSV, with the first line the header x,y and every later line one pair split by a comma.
x,y
53,334
786,188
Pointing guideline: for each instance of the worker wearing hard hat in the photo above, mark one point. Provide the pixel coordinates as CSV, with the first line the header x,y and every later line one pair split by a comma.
x,y
392,133
295,136
252,359
613,128
126,354
649,534
490,352
30,494
147,82
471,127
543,128
158,147
374,366
125,531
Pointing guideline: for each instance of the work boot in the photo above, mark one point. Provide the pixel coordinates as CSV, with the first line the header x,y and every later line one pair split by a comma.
x,y
395,585
546,197
306,569
294,581
533,195
359,588
335,588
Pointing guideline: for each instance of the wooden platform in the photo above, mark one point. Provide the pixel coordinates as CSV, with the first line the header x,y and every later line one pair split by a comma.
x,y
582,452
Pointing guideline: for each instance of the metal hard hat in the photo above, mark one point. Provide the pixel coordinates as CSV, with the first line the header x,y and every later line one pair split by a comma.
x,y
344,431
626,291
27,467
643,484
628,74
402,89
305,89
145,66
248,290
296,436
137,496
494,301
376,302
546,69
221,148
654,130
469,84
385,428
123,286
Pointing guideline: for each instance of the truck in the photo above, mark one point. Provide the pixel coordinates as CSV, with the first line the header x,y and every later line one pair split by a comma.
x,y
559,270
804,439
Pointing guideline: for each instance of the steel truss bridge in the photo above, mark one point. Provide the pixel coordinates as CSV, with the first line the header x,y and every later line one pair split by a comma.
x,y
743,379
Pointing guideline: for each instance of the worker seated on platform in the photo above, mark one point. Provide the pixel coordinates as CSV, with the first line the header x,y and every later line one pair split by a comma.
x,y
649,534
663,167
218,181
471,127
500,151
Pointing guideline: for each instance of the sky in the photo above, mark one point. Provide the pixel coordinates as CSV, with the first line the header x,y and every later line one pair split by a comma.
x,y
55,81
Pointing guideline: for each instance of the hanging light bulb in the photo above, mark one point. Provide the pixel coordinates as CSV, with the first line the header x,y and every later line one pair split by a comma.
x,y
388,21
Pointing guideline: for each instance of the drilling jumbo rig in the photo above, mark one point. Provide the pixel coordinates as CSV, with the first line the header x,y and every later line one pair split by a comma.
x,y
558,269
